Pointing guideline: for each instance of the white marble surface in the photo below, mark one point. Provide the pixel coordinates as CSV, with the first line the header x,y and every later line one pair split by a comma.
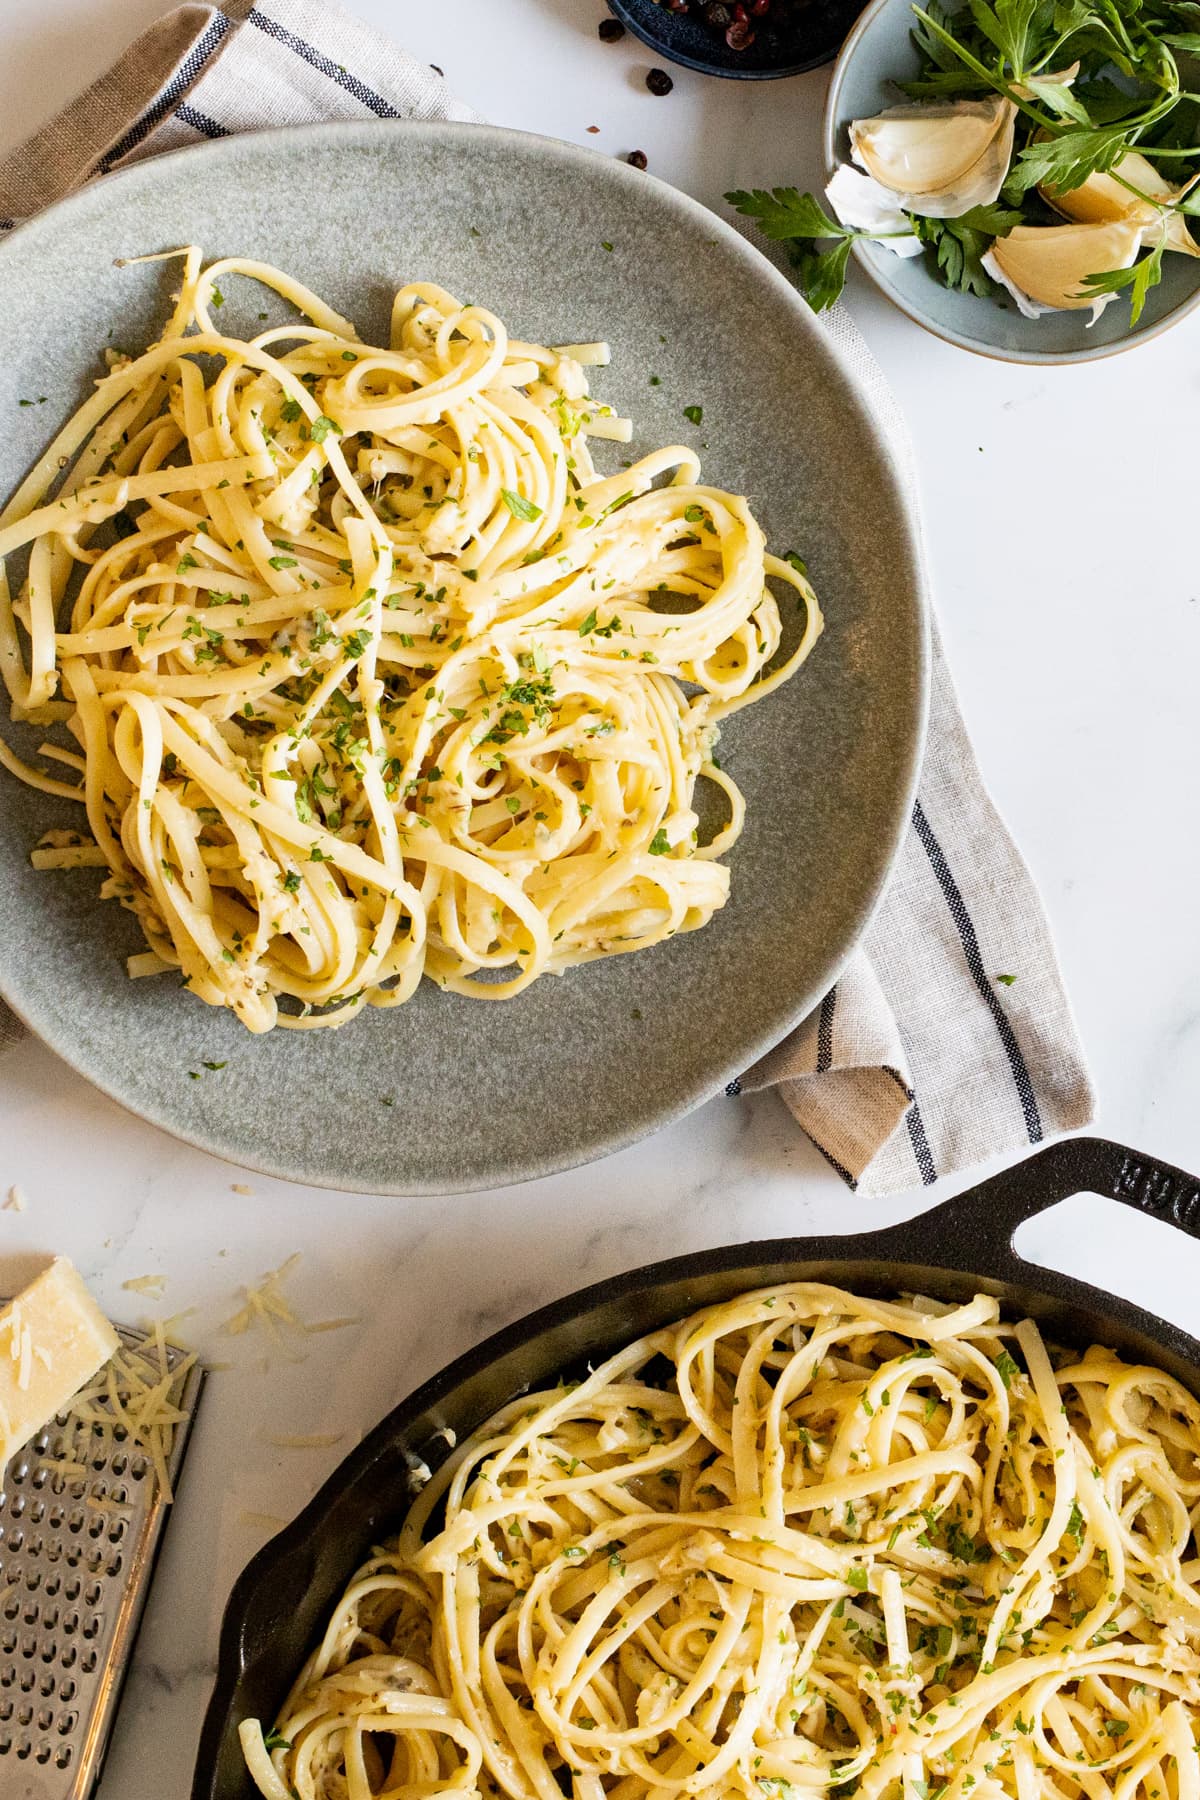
x,y
1060,507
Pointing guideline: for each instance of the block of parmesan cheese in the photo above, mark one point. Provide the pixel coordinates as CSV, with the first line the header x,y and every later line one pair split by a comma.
x,y
53,1338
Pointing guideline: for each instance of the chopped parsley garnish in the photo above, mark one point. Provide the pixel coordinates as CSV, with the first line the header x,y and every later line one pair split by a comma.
x,y
519,507
693,414
658,843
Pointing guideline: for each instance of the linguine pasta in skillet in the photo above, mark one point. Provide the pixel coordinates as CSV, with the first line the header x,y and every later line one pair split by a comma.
x,y
803,1542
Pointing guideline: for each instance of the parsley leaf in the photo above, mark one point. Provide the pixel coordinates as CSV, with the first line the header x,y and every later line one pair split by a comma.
x,y
1009,25
959,245
1139,280
1065,162
823,273
519,507
1006,1368
658,843
785,213
320,429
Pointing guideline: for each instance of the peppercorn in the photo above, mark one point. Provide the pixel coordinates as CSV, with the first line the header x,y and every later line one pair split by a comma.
x,y
636,159
611,30
659,82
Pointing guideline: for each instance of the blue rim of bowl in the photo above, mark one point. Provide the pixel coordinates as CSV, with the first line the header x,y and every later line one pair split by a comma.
x,y
636,16
830,135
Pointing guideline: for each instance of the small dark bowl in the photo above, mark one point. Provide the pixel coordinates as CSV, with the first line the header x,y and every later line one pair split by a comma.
x,y
805,34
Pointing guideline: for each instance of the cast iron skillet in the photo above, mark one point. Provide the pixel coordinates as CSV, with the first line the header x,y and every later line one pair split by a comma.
x,y
283,1598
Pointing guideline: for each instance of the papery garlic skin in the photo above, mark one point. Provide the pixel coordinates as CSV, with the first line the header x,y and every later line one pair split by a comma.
x,y
1102,198
1059,77
860,203
941,160
1044,267
1028,309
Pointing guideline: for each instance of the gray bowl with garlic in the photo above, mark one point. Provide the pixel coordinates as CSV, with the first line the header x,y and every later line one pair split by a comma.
x,y
1017,175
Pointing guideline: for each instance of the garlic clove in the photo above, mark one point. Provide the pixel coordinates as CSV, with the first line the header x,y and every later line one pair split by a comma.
x,y
978,187
1102,198
860,202
940,160
1044,267
926,149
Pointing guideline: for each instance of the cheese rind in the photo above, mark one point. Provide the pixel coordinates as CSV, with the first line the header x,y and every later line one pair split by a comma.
x,y
53,1338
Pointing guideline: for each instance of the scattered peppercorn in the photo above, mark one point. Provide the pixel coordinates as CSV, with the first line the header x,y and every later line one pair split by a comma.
x,y
659,82
637,158
611,30
731,18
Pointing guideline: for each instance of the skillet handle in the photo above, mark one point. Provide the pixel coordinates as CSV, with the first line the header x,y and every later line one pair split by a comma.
x,y
976,1228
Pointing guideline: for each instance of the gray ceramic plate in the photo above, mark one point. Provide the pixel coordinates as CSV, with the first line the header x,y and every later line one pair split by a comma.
x,y
483,1094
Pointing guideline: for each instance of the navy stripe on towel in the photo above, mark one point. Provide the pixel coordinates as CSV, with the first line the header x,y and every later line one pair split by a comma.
x,y
974,960
325,66
920,1145
833,1162
825,1032
163,103
189,115
899,1081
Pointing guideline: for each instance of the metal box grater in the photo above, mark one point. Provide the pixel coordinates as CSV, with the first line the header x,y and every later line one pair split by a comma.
x,y
73,1583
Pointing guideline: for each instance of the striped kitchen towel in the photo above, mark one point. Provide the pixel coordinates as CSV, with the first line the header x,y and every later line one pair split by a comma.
x,y
948,1037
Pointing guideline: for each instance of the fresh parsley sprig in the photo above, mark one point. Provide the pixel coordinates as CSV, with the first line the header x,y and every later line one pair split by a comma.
x,y
959,245
799,219
1139,279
